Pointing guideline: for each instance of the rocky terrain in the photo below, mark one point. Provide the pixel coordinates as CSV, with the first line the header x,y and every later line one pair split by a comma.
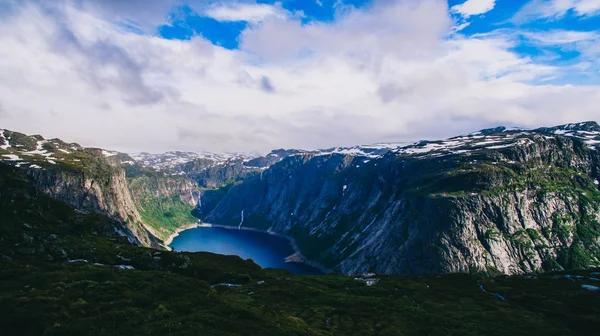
x,y
67,272
498,200
87,178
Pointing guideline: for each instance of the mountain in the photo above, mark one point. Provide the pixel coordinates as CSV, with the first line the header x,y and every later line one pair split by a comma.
x,y
212,170
499,200
148,206
67,272
83,177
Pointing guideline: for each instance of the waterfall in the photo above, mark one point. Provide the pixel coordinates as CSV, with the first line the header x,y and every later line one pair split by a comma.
x,y
242,221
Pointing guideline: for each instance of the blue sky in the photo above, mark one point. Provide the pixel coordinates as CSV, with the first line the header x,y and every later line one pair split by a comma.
x,y
185,23
252,75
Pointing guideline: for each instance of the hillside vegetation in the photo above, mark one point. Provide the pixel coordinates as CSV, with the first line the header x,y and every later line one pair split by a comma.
x,y
65,272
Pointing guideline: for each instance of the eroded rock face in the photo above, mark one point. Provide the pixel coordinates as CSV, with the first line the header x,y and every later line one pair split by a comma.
x,y
98,180
507,201
503,200
184,189
107,193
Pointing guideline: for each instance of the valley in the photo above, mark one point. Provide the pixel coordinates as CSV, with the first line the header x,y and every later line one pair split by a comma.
x,y
499,201
504,222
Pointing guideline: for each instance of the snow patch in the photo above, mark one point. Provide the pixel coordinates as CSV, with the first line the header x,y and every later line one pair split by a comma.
x,y
7,144
592,142
108,154
12,157
38,151
486,142
502,146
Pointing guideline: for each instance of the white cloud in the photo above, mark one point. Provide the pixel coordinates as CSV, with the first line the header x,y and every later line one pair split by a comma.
x,y
561,37
556,9
474,7
585,43
245,12
587,7
376,74
391,28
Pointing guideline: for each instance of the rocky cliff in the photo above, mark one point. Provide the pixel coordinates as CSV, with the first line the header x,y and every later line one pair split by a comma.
x,y
107,194
498,200
501,200
87,178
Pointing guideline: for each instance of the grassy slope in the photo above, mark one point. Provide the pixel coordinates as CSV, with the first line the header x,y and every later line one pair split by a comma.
x,y
164,214
171,293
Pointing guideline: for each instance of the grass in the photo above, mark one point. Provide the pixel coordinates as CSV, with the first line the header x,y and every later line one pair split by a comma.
x,y
165,215
164,211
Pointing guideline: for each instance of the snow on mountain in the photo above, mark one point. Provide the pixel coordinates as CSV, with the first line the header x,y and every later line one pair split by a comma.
x,y
502,137
174,159
371,151
177,162
30,149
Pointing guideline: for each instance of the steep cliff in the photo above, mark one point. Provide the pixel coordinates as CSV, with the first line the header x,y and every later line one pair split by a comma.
x,y
497,201
104,193
87,178
64,272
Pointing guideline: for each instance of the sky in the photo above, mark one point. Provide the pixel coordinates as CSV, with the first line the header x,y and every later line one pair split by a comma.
x,y
254,75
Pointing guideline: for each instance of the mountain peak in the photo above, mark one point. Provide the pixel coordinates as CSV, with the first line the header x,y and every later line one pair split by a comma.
x,y
586,126
499,129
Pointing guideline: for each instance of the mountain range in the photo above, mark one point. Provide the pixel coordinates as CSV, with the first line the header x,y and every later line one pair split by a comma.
x,y
500,200
495,232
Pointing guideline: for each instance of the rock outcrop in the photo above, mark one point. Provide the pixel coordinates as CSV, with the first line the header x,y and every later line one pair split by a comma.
x,y
499,200
107,194
507,201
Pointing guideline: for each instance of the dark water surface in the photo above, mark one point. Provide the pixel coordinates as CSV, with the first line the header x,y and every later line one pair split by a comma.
x,y
266,250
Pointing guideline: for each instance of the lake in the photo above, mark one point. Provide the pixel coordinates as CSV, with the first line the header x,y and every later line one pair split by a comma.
x,y
268,251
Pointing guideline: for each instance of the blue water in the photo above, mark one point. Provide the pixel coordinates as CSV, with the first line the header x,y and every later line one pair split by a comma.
x,y
266,250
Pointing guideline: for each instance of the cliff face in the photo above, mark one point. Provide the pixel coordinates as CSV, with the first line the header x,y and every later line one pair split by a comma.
x,y
498,200
88,178
107,194
185,190
511,202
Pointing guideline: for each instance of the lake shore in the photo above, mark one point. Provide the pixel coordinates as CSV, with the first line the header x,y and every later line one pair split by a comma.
x,y
296,257
180,229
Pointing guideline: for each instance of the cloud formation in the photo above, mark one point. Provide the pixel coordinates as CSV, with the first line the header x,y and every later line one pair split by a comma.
x,y
474,7
556,9
72,70
245,12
